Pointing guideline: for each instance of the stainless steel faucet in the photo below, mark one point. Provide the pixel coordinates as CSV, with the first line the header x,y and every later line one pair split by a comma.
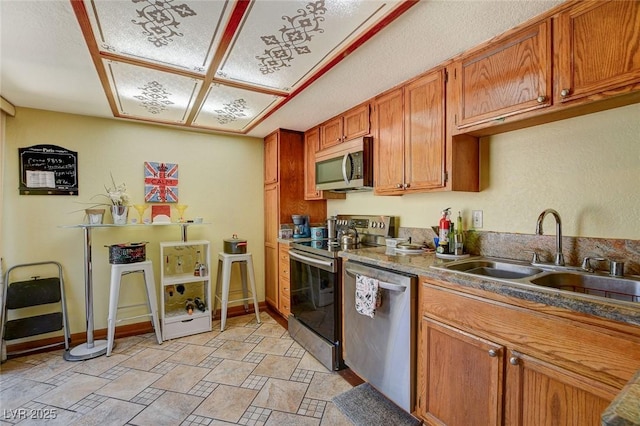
x,y
559,258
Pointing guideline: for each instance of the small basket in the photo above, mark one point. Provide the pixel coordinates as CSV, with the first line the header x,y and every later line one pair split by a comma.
x,y
127,253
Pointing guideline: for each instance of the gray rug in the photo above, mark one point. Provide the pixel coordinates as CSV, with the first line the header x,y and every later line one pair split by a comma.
x,y
365,406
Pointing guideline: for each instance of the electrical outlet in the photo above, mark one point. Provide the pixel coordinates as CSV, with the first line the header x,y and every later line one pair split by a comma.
x,y
477,219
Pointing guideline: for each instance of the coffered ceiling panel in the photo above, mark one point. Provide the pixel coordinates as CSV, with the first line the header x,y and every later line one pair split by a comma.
x,y
281,43
231,108
225,64
145,93
181,34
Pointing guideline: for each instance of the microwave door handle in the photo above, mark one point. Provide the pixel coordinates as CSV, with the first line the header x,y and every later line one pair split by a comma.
x,y
346,160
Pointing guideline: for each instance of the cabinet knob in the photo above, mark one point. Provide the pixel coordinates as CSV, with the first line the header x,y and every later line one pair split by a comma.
x,y
407,185
541,99
399,185
565,92
514,360
493,353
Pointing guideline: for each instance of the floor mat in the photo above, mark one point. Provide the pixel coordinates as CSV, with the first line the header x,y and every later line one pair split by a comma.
x,y
365,406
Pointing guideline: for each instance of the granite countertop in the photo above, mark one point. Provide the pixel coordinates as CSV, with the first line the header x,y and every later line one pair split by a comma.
x,y
623,411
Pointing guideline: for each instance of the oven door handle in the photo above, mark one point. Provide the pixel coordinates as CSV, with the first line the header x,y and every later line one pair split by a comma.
x,y
313,261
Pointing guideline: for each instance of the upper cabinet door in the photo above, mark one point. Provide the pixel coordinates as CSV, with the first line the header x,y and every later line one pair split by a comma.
x,y
311,144
356,122
424,142
597,46
388,148
271,159
508,77
331,133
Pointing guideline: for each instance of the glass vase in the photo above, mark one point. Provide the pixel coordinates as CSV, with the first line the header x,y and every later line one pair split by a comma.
x,y
119,214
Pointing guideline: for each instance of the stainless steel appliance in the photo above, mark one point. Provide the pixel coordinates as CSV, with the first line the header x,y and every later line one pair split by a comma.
x,y
346,167
381,350
316,287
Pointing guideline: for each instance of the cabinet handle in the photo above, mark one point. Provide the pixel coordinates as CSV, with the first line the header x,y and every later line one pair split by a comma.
x,y
541,99
514,360
565,92
493,353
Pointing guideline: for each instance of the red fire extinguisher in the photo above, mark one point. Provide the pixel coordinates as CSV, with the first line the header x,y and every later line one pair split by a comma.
x,y
445,226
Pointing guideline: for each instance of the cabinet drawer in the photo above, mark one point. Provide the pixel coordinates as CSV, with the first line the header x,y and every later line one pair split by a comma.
x,y
283,265
180,326
285,306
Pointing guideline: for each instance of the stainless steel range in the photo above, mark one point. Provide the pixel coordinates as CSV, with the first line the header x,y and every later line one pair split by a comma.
x,y
316,285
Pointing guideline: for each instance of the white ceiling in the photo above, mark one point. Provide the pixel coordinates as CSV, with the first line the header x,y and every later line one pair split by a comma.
x,y
45,62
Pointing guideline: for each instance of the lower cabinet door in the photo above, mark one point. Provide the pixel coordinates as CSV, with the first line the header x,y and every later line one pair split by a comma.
x,y
540,394
460,377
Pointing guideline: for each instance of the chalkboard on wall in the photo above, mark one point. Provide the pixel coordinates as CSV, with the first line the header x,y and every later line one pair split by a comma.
x,y
48,170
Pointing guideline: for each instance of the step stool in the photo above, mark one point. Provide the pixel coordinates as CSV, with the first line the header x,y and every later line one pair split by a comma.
x,y
34,292
225,262
117,271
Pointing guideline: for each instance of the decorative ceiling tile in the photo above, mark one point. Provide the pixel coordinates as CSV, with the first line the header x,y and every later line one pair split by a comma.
x,y
223,64
150,94
279,44
232,109
178,33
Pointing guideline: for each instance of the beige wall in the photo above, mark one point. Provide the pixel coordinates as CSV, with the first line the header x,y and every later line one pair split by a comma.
x,y
220,180
587,168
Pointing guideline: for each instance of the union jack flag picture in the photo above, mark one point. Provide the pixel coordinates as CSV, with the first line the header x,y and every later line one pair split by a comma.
x,y
160,182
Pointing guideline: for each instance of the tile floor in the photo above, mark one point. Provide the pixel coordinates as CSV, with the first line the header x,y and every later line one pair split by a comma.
x,y
250,374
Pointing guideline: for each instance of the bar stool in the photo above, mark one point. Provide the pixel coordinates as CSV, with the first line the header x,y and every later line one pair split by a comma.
x,y
225,262
117,271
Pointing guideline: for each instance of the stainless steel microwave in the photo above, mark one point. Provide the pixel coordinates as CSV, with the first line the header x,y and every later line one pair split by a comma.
x,y
346,167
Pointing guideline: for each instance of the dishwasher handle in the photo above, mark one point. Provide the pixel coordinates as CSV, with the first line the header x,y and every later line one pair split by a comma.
x,y
391,287
388,280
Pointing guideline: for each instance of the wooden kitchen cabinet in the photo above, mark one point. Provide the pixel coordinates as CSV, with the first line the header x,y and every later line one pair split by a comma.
x,y
508,76
462,383
311,147
539,393
596,45
284,304
410,132
349,125
283,197
516,362
271,159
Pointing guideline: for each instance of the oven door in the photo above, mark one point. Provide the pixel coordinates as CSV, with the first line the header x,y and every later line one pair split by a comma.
x,y
315,293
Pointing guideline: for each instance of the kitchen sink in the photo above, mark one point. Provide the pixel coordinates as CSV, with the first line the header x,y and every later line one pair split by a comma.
x,y
494,268
618,288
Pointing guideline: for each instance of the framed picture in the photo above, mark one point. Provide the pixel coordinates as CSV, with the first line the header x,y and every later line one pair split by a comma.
x,y
160,182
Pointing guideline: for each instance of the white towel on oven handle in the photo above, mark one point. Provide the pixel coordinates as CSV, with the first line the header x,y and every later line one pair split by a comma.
x,y
368,295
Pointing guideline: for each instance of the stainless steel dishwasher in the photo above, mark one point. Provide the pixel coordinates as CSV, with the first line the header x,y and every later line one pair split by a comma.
x,y
381,350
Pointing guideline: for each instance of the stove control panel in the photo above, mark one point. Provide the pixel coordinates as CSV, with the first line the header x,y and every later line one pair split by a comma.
x,y
381,226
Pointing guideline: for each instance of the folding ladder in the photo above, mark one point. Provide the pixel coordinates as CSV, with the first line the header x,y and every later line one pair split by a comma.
x,y
19,322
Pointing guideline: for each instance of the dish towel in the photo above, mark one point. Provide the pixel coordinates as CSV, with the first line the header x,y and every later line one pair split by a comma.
x,y
368,297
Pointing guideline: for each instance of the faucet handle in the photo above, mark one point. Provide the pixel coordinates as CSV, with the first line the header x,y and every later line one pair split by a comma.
x,y
616,268
586,262
536,256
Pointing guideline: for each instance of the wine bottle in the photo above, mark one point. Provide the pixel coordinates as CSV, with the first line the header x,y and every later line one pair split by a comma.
x,y
189,306
200,304
197,268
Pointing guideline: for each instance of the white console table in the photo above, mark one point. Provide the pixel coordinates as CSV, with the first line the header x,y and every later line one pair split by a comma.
x,y
95,348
